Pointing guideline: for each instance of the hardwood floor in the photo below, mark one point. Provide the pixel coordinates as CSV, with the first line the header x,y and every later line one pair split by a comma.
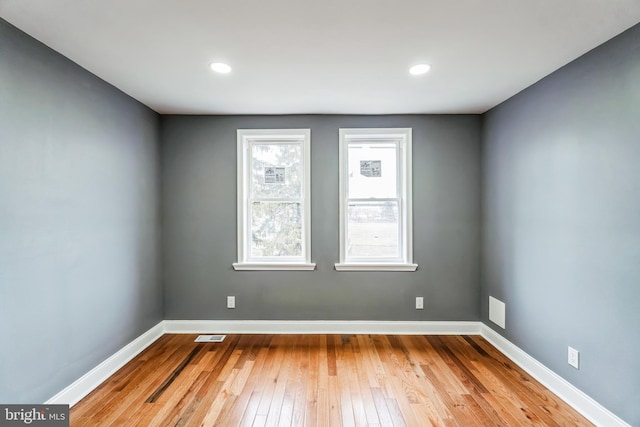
x,y
323,380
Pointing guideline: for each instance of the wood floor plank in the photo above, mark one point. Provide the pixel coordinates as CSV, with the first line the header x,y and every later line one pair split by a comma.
x,y
186,408
261,379
381,406
323,380
206,394
278,396
426,415
301,380
403,400
352,384
246,400
267,386
131,373
438,364
365,381
365,343
311,410
344,392
336,417
142,384
429,397
534,402
176,398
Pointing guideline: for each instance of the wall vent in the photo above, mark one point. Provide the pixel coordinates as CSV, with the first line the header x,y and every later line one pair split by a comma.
x,y
210,338
497,311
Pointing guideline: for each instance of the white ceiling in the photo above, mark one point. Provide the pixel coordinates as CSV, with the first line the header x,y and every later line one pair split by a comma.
x,y
321,56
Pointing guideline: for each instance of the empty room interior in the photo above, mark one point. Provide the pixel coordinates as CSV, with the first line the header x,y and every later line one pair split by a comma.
x,y
393,213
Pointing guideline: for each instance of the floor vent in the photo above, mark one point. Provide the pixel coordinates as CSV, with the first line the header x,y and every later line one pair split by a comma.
x,y
210,338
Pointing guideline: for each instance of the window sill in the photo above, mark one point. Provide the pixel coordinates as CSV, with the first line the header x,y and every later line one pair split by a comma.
x,y
369,266
280,266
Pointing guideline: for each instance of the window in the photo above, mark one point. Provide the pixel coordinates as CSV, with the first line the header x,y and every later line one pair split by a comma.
x,y
274,207
375,200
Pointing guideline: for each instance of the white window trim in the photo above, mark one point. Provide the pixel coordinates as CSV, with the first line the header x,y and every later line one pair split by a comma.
x,y
274,266
406,210
371,266
244,138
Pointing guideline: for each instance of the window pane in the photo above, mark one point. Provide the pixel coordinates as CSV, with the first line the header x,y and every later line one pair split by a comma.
x,y
276,171
372,230
372,170
276,229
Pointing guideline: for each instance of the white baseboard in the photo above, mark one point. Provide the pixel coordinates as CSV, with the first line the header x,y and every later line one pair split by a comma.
x,y
320,327
582,403
84,385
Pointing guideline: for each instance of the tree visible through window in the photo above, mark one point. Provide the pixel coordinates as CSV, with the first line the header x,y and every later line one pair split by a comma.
x,y
276,194
273,199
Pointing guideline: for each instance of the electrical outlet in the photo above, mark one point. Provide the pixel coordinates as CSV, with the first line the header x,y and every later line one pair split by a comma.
x,y
231,302
419,303
573,357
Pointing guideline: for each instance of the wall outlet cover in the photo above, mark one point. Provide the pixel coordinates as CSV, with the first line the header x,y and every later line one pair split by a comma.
x,y
419,303
231,302
573,357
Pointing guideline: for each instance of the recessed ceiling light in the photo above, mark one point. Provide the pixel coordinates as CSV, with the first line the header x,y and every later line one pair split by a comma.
x,y
220,67
418,69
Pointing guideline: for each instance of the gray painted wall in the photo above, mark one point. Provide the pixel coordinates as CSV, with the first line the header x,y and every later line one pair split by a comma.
x,y
561,166
80,176
199,225
78,220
